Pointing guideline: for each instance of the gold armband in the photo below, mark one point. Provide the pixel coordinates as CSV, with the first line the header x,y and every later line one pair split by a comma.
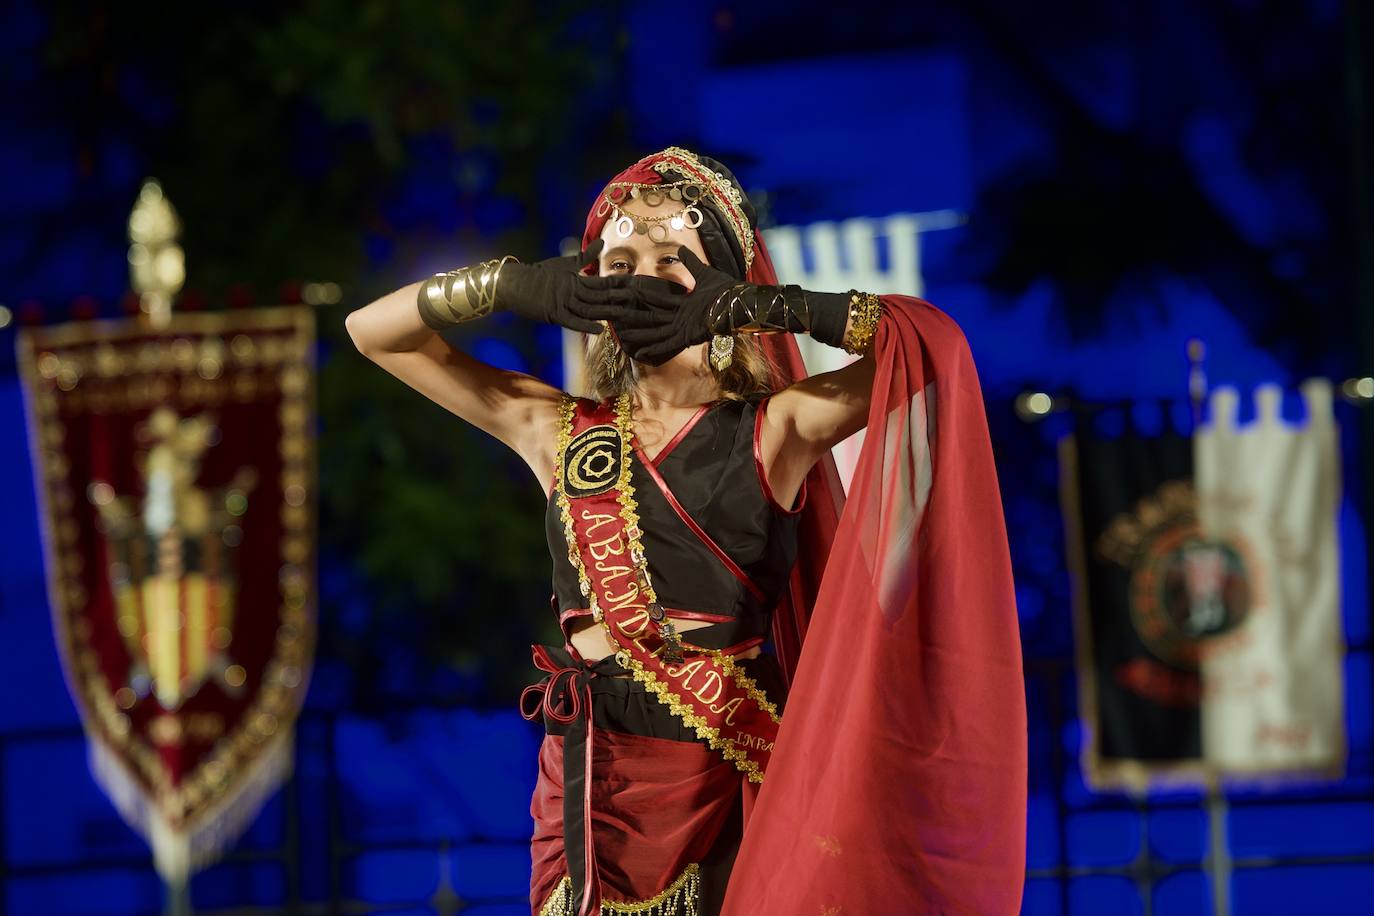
x,y
864,311
461,295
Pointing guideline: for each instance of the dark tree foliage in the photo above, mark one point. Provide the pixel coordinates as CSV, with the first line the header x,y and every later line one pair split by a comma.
x,y
368,143
1160,139
1124,202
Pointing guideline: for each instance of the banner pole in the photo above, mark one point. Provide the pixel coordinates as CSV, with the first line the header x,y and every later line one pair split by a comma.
x,y
1359,51
1197,377
1219,859
1139,793
177,897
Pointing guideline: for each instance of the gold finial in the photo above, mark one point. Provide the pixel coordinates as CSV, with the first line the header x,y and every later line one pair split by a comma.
x,y
157,265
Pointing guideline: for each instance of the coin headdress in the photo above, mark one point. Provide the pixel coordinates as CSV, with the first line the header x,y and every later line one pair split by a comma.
x,y
711,202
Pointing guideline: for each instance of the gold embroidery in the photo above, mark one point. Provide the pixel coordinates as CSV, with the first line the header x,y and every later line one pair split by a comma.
x,y
829,845
864,311
560,902
679,897
629,513
590,465
565,414
727,663
685,162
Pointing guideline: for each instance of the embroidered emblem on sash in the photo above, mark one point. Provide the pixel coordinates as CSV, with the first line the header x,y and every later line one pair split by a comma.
x,y
591,464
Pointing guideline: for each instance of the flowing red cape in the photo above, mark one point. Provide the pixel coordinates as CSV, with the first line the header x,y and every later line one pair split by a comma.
x,y
898,780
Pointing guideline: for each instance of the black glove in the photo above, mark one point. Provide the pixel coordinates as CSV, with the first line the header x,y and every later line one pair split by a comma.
x,y
545,290
656,319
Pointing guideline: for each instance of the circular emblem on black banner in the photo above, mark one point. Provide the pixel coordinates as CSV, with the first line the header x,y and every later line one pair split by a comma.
x,y
591,463
1190,594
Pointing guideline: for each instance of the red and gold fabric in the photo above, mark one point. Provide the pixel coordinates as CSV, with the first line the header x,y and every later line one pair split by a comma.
x,y
176,474
705,690
628,802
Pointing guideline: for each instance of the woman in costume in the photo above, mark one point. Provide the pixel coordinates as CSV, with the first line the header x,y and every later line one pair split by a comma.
x,y
708,569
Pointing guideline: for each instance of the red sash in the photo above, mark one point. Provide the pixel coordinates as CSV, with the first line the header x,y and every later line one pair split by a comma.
x,y
704,687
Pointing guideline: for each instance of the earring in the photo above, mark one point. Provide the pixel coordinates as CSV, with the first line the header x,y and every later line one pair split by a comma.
x,y
722,351
611,355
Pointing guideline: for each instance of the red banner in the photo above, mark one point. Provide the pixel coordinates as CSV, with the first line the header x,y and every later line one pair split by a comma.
x,y
176,478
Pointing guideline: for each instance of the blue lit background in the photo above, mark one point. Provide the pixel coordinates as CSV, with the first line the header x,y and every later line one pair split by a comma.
x,y
1133,174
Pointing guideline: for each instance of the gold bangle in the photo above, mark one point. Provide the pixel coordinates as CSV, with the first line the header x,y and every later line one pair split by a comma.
x,y
461,295
864,311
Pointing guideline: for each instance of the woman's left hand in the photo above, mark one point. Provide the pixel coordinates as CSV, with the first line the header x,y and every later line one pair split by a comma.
x,y
656,319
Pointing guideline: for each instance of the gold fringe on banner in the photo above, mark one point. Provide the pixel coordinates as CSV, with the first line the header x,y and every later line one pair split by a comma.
x,y
180,850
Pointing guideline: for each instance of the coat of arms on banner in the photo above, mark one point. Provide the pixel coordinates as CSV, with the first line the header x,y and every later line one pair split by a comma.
x,y
1207,612
176,476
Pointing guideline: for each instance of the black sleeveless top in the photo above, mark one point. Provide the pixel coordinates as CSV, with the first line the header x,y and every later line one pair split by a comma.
x,y
712,468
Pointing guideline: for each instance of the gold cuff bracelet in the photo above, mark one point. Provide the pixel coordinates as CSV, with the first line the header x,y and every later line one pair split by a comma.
x,y
864,311
461,295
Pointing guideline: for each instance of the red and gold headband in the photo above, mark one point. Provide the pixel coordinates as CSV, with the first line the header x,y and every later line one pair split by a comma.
x,y
698,182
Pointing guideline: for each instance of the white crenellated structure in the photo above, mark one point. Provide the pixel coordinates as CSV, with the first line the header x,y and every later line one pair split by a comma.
x,y
1268,493
844,256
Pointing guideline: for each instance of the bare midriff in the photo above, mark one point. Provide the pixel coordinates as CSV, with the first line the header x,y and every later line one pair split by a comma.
x,y
592,643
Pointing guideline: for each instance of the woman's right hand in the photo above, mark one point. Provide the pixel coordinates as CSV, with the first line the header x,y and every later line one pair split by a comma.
x,y
546,290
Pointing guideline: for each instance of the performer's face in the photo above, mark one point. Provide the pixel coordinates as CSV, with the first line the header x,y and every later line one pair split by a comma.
x,y
638,256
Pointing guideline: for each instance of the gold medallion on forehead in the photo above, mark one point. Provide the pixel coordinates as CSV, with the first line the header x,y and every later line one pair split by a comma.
x,y
591,463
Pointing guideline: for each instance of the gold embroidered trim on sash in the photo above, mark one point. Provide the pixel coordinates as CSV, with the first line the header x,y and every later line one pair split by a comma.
x,y
629,515
677,899
746,683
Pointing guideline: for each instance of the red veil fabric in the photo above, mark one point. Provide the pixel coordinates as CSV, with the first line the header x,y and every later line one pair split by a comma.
x,y
898,780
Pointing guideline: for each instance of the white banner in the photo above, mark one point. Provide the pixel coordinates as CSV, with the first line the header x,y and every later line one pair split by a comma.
x,y
1264,577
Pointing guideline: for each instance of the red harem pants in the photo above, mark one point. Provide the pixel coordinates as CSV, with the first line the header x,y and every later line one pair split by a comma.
x,y
628,795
